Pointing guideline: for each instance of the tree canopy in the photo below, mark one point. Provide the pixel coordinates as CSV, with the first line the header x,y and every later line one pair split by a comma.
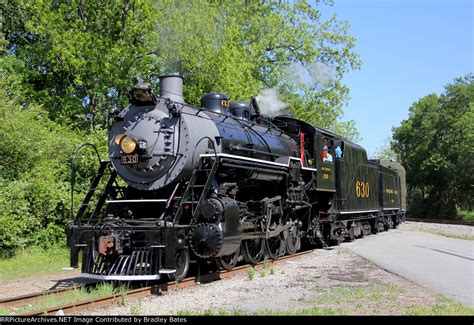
x,y
65,63
436,146
77,57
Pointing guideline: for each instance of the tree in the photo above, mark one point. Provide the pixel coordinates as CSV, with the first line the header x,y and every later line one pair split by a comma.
x,y
436,146
386,151
78,56
65,63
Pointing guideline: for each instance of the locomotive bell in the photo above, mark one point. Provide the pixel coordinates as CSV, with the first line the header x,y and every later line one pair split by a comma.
x,y
216,102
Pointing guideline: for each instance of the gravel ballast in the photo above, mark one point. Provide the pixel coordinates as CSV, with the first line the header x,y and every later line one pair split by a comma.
x,y
325,281
332,281
461,231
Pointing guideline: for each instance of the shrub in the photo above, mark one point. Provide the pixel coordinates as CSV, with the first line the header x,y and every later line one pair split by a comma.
x,y
35,177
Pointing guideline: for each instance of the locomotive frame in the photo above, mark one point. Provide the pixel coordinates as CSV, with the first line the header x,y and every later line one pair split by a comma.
x,y
221,185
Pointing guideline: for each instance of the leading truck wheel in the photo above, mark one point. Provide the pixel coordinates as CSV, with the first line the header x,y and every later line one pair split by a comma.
x,y
182,265
293,241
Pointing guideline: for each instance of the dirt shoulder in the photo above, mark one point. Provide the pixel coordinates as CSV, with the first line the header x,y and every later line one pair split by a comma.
x,y
447,230
29,285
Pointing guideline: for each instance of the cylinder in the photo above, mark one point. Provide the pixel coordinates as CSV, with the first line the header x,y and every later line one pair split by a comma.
x,y
171,86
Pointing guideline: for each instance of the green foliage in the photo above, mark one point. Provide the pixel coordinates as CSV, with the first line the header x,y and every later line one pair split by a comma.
x,y
386,152
77,57
39,261
467,216
64,64
34,177
250,272
436,147
76,295
443,306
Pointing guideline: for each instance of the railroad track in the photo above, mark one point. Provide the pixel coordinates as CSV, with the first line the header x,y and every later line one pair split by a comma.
x,y
34,297
443,221
80,306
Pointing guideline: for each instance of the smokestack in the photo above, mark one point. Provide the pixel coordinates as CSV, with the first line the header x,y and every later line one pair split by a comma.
x,y
171,87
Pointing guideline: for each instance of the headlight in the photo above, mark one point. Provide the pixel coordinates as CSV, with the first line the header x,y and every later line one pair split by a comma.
x,y
127,144
117,138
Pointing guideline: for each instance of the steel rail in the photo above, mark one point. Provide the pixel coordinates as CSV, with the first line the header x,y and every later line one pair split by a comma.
x,y
156,289
36,296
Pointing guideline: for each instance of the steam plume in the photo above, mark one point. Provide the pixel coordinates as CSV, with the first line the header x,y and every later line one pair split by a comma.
x,y
269,103
311,74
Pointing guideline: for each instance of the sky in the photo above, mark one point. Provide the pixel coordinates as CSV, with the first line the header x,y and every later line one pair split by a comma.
x,y
409,49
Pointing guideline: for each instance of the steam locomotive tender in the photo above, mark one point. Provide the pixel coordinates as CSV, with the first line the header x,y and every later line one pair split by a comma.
x,y
223,182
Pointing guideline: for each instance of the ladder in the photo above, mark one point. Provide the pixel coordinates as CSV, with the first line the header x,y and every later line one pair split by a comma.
x,y
198,187
103,196
94,183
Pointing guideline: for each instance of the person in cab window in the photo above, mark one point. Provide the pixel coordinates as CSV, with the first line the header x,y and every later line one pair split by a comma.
x,y
338,152
327,157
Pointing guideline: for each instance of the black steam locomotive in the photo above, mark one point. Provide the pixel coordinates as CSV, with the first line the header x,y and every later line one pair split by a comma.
x,y
223,182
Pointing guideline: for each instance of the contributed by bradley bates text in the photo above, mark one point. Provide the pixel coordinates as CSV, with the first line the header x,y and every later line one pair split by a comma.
x,y
95,319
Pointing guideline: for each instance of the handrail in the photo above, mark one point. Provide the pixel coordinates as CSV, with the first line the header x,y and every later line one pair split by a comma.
x,y
73,170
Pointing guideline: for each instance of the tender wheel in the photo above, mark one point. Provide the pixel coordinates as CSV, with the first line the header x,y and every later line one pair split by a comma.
x,y
350,237
253,250
293,241
273,246
375,226
228,262
396,222
182,265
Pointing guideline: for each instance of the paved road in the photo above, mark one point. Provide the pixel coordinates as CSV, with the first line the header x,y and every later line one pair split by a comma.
x,y
444,264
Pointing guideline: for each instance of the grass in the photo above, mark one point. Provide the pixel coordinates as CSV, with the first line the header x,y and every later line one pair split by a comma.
x,y
123,295
380,299
250,272
332,301
373,293
136,308
371,300
272,269
315,311
443,306
103,289
34,262
445,234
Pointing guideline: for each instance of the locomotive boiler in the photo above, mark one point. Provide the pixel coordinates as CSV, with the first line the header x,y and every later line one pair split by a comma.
x,y
222,182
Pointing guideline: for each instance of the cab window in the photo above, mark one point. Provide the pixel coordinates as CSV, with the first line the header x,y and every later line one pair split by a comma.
x,y
327,156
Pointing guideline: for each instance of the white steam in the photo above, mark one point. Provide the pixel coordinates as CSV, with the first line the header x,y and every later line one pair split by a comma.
x,y
311,74
269,103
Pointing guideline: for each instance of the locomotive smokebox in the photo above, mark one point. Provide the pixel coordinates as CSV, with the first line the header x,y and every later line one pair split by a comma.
x,y
171,86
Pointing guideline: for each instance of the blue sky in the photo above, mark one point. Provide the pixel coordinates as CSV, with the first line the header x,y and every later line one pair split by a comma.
x,y
409,49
